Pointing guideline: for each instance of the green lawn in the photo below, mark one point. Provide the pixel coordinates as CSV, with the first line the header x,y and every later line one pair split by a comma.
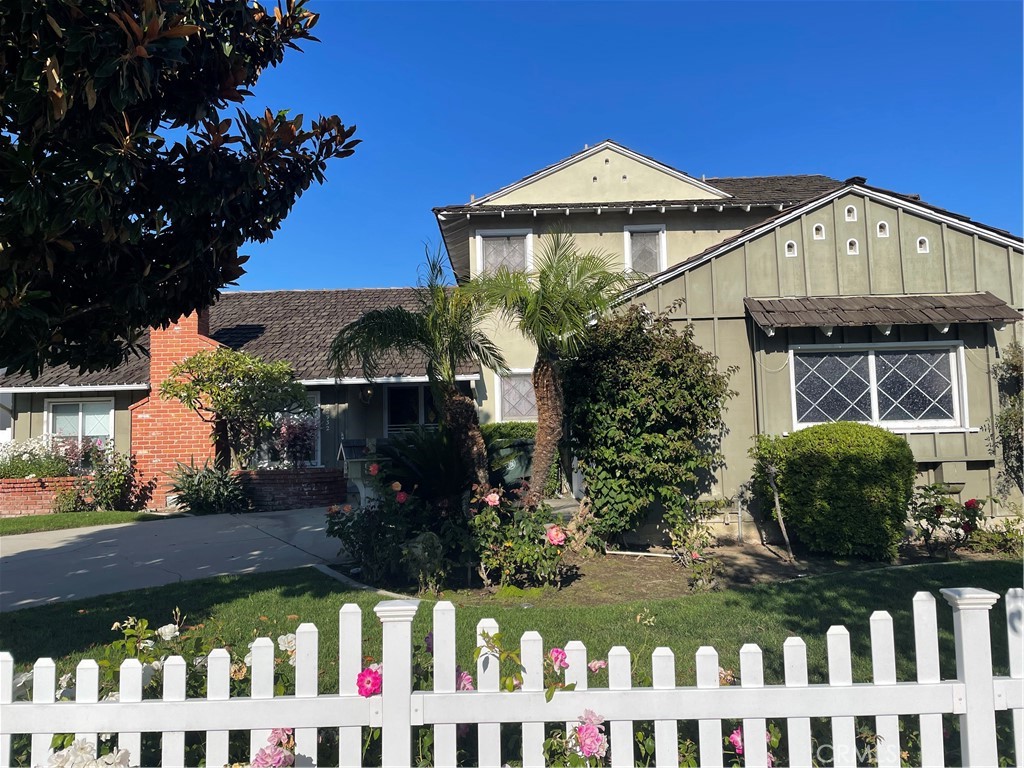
x,y
235,609
36,523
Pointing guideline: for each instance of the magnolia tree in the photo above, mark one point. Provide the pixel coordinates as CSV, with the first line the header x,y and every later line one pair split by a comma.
x,y
243,397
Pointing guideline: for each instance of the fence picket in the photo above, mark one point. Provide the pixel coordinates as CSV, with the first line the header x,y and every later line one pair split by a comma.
x,y
218,687
666,732
6,697
798,729
621,731
840,674
531,653
575,673
488,679
44,682
709,731
883,665
262,678
396,697
755,750
1015,645
445,748
87,691
130,692
926,656
307,658
350,661
172,744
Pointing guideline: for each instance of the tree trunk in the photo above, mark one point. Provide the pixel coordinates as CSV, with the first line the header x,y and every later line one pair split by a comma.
x,y
460,415
772,471
548,389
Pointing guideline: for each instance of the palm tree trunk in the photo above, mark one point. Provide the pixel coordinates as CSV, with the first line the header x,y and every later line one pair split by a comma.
x,y
461,416
548,390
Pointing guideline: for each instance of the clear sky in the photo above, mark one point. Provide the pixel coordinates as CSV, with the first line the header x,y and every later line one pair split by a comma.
x,y
460,98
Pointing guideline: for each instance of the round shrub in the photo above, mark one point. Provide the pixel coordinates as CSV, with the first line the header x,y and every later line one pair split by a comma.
x,y
844,487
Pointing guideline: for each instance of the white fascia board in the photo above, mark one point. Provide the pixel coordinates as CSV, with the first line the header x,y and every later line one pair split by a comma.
x,y
381,380
918,210
607,144
76,388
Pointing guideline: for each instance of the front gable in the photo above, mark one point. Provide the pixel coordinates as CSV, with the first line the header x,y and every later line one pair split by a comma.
x,y
605,173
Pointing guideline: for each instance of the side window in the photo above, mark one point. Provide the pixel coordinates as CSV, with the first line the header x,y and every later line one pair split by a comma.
x,y
503,249
517,398
645,249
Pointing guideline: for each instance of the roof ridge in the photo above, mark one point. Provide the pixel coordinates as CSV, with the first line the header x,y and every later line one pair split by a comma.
x,y
315,290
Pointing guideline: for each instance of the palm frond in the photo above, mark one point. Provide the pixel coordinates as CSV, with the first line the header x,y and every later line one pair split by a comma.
x,y
370,338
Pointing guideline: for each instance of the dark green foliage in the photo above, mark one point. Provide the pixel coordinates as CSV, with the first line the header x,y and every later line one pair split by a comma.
x,y
69,500
426,462
49,465
113,482
844,487
208,490
1008,432
645,403
511,543
509,430
128,191
510,445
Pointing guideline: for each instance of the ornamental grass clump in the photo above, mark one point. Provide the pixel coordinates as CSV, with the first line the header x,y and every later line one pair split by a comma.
x,y
844,488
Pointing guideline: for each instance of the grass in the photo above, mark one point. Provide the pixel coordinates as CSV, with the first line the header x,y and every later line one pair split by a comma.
x,y
36,523
233,610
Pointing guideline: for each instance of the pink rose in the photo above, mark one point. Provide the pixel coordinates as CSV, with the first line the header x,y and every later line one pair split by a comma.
x,y
736,739
463,680
373,469
597,664
370,681
558,658
556,535
401,497
492,499
280,736
273,756
590,741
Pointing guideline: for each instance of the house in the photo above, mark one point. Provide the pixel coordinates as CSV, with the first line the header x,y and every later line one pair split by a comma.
x,y
123,404
834,300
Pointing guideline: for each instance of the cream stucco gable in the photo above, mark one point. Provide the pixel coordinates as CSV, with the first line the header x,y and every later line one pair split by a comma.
x,y
605,173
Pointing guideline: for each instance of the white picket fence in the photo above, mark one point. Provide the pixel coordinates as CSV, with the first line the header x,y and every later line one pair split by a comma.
x,y
975,696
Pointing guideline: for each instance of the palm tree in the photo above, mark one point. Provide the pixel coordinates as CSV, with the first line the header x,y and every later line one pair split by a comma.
x,y
444,331
552,307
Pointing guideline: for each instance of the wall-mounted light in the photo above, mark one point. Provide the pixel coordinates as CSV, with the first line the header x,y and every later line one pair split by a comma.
x,y
366,393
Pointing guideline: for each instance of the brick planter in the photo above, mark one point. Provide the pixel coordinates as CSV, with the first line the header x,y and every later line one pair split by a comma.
x,y
32,496
275,489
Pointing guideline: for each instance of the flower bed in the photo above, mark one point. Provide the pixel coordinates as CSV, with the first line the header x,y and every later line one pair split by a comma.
x,y
31,495
274,489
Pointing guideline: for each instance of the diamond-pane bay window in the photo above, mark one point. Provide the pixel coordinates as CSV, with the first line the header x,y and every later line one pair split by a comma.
x,y
900,386
517,398
503,248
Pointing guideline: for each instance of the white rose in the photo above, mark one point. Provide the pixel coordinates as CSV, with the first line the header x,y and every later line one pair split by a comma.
x,y
167,632
287,642
25,456
22,685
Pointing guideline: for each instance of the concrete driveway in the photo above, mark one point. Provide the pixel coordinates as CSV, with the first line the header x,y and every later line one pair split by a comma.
x,y
40,568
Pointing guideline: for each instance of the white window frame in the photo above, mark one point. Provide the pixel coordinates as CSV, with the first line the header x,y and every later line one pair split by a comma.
x,y
499,414
851,213
480,234
818,231
852,247
882,229
958,373
923,246
627,247
791,250
49,402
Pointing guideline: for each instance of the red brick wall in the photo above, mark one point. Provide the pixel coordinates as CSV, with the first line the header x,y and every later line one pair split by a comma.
x,y
273,489
165,432
33,496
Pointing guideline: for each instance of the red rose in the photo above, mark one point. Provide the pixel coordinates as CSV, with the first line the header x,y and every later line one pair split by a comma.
x,y
401,497
971,504
967,527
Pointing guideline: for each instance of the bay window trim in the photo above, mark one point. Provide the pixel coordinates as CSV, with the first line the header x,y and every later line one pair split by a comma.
x,y
480,234
958,375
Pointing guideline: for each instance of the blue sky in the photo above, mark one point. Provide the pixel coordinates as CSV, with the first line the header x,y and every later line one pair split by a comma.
x,y
460,98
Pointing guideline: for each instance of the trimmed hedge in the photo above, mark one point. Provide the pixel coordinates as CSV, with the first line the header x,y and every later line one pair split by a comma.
x,y
844,487
509,430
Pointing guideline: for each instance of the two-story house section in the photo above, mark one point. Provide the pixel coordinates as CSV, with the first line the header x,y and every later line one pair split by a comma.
x,y
833,300
647,215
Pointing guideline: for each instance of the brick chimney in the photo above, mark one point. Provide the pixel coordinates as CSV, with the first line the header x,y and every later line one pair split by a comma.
x,y
164,432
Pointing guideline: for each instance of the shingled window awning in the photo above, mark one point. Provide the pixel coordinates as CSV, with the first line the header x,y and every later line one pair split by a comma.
x,y
845,311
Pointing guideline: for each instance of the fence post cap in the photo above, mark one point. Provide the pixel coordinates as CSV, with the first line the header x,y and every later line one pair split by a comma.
x,y
969,597
396,610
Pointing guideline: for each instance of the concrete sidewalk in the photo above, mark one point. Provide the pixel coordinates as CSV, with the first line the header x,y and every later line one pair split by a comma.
x,y
40,568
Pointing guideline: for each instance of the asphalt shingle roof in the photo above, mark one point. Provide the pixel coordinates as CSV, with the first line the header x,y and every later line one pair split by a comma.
x,y
296,326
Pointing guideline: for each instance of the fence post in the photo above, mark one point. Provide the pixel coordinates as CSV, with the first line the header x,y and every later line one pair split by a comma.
x,y
396,727
973,642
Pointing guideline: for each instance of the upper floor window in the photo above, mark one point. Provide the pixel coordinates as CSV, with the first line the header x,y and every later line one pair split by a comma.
x,y
883,229
510,248
790,248
922,245
890,385
81,420
852,248
518,402
645,249
819,231
851,213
